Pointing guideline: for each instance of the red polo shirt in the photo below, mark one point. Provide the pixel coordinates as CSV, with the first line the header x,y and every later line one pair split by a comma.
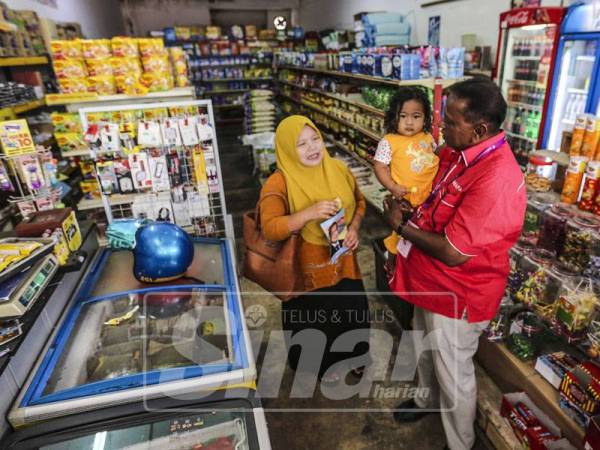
x,y
480,207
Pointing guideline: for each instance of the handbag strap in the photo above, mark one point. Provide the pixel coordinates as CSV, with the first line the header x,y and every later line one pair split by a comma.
x,y
266,195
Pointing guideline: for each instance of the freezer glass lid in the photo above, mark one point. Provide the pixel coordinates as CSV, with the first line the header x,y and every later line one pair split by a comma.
x,y
117,271
143,333
211,430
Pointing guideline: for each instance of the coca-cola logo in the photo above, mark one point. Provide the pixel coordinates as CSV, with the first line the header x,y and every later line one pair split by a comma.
x,y
520,18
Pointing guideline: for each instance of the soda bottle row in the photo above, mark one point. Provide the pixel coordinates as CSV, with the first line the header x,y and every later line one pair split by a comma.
x,y
534,46
523,122
526,94
526,70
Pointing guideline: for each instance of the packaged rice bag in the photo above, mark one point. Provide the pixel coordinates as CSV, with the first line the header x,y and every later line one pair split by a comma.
x,y
65,49
66,122
73,85
69,68
130,85
68,142
124,47
99,67
155,64
96,48
126,66
97,117
157,81
151,47
102,85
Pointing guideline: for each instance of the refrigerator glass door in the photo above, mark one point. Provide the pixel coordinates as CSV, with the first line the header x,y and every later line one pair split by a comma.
x,y
524,79
210,430
572,90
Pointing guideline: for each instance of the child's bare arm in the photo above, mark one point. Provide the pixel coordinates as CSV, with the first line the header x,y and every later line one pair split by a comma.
x,y
382,172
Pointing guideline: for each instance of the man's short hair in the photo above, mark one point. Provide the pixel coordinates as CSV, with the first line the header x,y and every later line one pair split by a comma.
x,y
483,100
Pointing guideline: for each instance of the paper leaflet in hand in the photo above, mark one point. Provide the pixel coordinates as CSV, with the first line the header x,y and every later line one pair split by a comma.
x,y
335,231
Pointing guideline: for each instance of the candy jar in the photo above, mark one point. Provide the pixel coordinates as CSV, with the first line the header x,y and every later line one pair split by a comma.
x,y
526,331
534,267
592,269
558,276
552,231
536,205
516,276
580,237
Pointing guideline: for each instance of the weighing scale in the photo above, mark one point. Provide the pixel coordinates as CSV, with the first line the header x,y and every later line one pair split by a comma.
x,y
21,291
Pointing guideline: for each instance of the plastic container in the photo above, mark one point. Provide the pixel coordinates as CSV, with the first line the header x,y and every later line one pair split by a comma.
x,y
533,215
526,332
580,238
532,270
552,229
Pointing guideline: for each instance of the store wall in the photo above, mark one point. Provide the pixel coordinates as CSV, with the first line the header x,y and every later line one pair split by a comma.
x,y
97,18
457,18
147,15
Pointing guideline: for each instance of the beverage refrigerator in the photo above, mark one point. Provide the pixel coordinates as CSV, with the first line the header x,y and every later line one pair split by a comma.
x,y
576,78
524,67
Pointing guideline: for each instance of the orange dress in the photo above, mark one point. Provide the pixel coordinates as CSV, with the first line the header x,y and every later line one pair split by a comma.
x,y
316,268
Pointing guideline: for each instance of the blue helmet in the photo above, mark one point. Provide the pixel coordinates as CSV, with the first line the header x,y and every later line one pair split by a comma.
x,y
163,252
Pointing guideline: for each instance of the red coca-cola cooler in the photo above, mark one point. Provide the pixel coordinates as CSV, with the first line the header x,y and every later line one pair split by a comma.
x,y
525,61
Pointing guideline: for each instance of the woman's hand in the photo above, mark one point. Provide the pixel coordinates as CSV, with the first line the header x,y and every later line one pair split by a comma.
x,y
321,210
351,241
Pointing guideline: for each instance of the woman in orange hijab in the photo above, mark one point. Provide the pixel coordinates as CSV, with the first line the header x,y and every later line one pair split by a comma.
x,y
317,186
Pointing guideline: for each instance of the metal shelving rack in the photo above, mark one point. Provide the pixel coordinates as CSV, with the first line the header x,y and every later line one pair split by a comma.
x,y
217,223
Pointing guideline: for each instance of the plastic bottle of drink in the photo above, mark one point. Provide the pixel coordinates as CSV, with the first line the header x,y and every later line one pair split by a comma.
x,y
515,48
516,125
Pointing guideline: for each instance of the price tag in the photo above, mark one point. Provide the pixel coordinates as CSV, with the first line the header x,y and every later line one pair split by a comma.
x,y
16,138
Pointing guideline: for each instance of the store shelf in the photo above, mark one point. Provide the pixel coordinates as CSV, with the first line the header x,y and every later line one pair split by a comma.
x,y
568,122
586,58
225,91
341,98
525,105
426,82
479,72
223,80
19,109
76,153
528,58
358,128
518,136
219,66
527,83
345,149
577,91
114,200
23,61
227,106
90,97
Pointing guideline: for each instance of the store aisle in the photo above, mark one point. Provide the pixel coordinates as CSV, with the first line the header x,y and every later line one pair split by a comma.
x,y
360,429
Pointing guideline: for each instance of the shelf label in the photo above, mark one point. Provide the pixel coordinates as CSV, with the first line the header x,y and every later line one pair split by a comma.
x,y
52,99
16,138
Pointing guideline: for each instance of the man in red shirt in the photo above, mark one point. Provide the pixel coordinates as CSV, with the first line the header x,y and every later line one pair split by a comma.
x,y
453,262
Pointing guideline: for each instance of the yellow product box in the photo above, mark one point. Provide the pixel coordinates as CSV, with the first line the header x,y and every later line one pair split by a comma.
x,y
69,68
124,46
96,48
183,111
151,47
99,67
66,122
65,49
97,117
155,64
183,33
156,114
73,85
68,142
90,188
72,233
130,85
213,32
125,66
61,249
102,85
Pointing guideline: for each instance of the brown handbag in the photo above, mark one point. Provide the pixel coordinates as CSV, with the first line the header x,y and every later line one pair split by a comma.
x,y
275,266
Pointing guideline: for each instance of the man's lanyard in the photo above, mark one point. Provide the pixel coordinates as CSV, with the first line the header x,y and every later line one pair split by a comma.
x,y
438,187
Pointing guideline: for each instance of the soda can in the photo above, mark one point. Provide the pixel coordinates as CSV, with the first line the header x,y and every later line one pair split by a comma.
x,y
591,137
578,133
